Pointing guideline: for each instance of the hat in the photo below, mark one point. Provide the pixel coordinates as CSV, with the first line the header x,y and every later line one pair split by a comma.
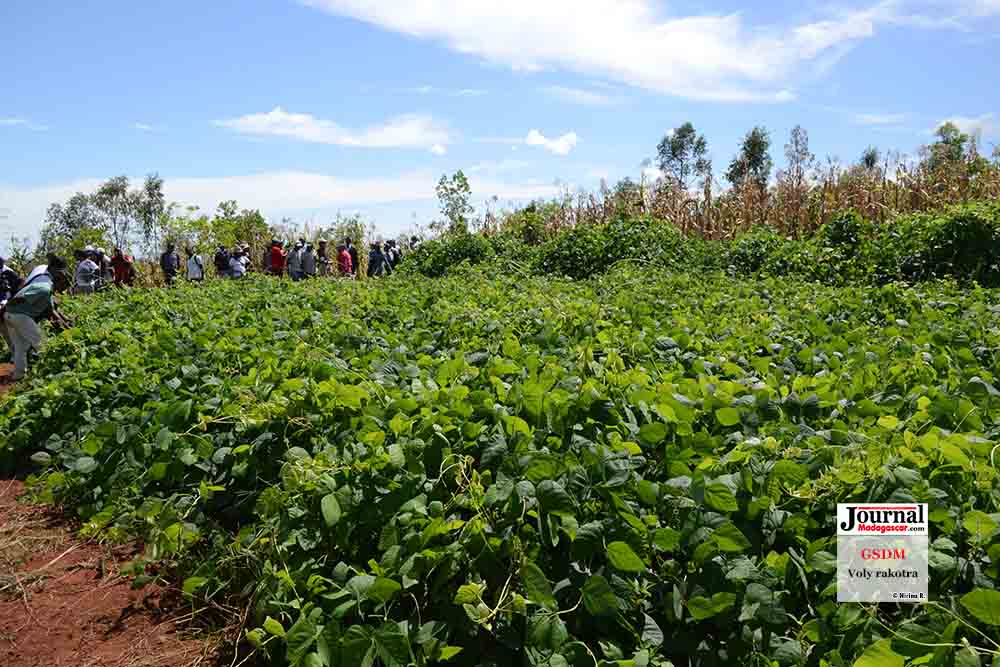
x,y
102,251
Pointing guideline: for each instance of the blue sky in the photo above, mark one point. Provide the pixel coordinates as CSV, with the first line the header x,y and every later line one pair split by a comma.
x,y
306,108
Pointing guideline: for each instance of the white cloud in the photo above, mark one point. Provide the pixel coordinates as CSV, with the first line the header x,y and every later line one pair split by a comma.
x,y
427,90
710,57
651,174
274,193
409,131
438,149
145,127
581,96
560,146
987,125
879,119
22,122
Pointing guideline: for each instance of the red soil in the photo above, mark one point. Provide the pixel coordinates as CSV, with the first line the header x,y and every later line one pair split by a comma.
x,y
64,602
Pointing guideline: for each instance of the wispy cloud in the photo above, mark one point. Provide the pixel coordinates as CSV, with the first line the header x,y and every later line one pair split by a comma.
x,y
408,131
582,96
145,127
22,123
560,145
987,125
634,42
879,118
449,92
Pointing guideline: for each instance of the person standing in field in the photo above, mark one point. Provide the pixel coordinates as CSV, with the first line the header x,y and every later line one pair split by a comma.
x,y
195,266
344,265
295,262
122,268
87,272
104,262
10,282
308,262
378,263
353,252
22,313
278,258
323,258
237,264
221,261
170,262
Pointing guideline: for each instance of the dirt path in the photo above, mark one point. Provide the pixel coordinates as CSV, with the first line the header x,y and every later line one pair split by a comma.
x,y
64,602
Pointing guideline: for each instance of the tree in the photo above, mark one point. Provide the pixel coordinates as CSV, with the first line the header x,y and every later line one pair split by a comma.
x,y
130,215
454,194
683,154
798,156
753,162
950,146
870,159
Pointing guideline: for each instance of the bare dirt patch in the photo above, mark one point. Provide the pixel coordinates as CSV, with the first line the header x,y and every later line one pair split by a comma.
x,y
64,602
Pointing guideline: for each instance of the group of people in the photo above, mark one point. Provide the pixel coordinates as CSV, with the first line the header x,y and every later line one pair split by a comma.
x,y
24,304
95,270
299,261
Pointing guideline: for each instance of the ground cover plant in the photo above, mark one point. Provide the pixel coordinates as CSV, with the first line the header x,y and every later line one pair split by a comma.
x,y
638,469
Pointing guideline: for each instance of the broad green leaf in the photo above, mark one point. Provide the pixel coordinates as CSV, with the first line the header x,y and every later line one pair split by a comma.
x,y
880,654
701,607
719,497
331,509
984,604
728,416
598,597
729,538
621,557
537,587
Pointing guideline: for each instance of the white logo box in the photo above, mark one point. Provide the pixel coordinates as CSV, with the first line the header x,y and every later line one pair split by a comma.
x,y
882,552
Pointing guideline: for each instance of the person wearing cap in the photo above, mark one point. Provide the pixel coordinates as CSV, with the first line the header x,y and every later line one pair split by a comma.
x,y
238,263
87,271
104,263
20,316
10,282
170,262
295,262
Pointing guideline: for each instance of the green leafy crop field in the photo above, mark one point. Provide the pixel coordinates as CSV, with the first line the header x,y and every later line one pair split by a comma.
x,y
638,469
